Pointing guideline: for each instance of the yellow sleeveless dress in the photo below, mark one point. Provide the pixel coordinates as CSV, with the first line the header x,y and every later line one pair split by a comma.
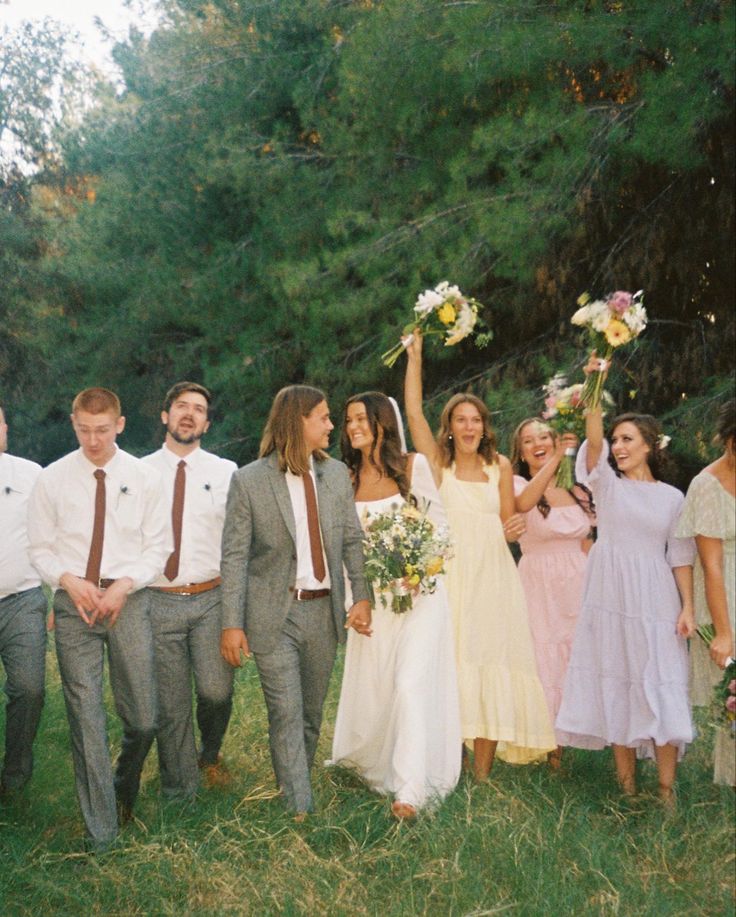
x,y
501,696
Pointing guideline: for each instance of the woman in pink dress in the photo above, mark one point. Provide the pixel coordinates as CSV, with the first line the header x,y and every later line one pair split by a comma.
x,y
555,544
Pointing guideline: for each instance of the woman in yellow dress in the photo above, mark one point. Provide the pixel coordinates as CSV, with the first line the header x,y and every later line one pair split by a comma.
x,y
502,703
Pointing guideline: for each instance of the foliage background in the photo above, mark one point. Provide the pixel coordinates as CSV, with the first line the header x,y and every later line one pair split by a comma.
x,y
265,194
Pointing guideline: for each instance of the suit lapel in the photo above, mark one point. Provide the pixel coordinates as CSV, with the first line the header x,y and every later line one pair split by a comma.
x,y
281,494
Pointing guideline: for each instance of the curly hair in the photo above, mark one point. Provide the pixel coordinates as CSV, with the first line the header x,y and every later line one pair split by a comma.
x,y
650,430
381,418
487,446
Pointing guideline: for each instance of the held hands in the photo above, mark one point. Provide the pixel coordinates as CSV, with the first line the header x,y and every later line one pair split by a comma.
x,y
359,618
94,604
233,642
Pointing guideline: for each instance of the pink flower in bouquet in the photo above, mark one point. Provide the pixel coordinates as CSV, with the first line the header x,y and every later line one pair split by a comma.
x,y
731,704
732,686
620,301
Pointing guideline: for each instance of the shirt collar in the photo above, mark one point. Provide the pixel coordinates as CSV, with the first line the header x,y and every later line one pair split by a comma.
x,y
108,467
172,459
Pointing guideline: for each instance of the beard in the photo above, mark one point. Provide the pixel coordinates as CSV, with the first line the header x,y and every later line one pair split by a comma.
x,y
184,439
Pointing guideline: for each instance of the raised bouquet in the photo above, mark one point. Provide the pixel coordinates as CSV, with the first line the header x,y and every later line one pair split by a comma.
x,y
611,323
446,312
404,552
724,693
563,411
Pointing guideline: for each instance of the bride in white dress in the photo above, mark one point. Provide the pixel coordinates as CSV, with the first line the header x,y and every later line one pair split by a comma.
x,y
398,721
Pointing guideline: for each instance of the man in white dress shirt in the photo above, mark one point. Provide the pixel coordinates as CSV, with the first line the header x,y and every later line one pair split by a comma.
x,y
98,529
22,619
185,605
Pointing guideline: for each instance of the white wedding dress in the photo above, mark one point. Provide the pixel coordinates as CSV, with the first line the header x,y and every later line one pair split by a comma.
x,y
398,719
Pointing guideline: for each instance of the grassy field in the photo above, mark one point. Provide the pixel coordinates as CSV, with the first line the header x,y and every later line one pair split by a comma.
x,y
528,842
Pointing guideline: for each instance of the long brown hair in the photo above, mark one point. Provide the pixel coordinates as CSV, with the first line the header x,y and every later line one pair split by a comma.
x,y
521,468
487,446
650,431
380,415
284,430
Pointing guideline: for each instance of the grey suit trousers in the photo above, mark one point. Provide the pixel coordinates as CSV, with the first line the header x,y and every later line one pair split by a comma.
x,y
23,652
186,631
81,652
294,678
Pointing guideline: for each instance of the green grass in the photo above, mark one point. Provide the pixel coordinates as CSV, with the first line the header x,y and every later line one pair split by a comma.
x,y
528,842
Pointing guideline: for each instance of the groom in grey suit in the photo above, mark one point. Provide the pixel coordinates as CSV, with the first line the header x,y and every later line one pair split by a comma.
x,y
283,549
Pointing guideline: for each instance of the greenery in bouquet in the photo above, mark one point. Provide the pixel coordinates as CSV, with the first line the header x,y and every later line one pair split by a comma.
x,y
563,411
611,323
405,553
724,693
445,312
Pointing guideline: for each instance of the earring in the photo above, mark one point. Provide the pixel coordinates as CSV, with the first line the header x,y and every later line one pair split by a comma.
x,y
449,436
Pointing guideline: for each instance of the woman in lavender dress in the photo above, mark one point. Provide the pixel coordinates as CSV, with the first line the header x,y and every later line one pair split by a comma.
x,y
627,682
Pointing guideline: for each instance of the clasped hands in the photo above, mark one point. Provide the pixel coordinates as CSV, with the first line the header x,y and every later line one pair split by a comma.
x,y
94,604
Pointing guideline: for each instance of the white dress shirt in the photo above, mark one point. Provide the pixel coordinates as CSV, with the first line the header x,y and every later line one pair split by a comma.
x,y
61,515
205,495
17,477
305,578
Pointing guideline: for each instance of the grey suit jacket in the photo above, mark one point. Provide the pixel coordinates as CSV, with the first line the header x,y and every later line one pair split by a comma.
x,y
259,548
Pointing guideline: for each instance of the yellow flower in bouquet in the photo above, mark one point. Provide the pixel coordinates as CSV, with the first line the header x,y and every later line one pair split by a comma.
x,y
447,312
617,333
611,323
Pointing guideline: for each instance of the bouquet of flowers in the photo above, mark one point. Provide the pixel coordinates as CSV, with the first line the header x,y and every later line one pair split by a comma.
x,y
447,312
563,411
611,322
724,693
404,554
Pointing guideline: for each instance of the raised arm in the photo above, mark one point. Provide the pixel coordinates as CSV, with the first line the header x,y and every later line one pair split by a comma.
x,y
532,493
421,432
505,489
594,419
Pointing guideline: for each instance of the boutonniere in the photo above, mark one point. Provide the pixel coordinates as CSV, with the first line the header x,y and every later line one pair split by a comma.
x,y
123,491
208,488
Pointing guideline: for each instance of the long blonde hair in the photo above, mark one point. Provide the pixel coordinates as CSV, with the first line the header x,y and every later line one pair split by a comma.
x,y
284,430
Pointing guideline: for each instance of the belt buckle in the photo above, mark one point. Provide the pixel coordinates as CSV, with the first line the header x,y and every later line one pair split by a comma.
x,y
298,594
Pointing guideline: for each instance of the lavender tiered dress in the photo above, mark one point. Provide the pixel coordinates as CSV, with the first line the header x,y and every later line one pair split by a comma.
x,y
627,682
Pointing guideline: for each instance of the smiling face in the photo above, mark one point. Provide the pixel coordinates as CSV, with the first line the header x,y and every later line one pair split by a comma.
x,y
186,420
629,448
317,428
358,427
96,435
536,445
466,427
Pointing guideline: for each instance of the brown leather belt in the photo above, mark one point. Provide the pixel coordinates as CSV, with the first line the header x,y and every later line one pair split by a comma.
x,y
306,595
190,588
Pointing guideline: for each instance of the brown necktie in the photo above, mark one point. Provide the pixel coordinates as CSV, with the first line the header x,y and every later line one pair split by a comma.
x,y
171,570
94,561
315,539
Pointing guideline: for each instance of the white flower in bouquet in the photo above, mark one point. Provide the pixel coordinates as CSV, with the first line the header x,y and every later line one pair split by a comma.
x,y
636,318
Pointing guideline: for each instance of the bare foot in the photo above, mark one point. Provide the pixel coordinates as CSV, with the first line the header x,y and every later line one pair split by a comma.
x,y
667,797
554,759
403,810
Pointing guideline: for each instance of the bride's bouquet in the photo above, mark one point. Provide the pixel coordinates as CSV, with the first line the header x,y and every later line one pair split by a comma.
x,y
447,312
724,693
563,411
404,552
611,323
